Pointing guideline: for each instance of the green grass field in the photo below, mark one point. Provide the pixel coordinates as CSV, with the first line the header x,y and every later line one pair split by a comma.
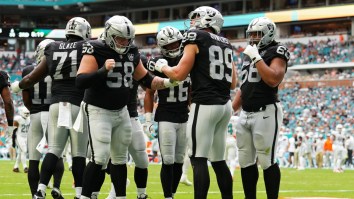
x,y
307,183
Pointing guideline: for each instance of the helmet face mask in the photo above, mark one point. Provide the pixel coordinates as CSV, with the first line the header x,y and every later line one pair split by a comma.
x,y
169,40
206,17
40,49
261,31
117,29
78,26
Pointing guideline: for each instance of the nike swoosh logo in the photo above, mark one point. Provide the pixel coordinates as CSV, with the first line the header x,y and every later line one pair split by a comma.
x,y
265,117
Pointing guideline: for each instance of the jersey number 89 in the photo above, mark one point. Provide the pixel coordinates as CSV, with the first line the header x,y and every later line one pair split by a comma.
x,y
218,60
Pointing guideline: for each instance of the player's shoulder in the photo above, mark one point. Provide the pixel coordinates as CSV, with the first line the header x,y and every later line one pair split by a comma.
x,y
194,36
18,118
150,66
26,70
4,73
276,50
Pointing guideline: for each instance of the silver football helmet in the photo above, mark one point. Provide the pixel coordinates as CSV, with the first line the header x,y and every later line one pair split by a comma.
x,y
78,26
265,29
40,49
23,112
168,35
119,26
206,17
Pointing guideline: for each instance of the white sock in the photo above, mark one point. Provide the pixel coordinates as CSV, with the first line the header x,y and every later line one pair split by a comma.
x,y
42,187
141,191
123,197
112,193
78,191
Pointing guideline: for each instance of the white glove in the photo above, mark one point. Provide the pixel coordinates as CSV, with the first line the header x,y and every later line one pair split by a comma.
x,y
15,87
148,126
160,63
252,52
170,83
10,130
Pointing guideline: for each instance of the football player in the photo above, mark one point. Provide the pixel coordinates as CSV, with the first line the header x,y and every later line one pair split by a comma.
x,y
106,72
61,62
21,122
171,113
231,146
261,116
137,148
37,101
208,59
9,108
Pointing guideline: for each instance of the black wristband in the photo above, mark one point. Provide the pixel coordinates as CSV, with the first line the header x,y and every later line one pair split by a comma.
x,y
86,80
10,122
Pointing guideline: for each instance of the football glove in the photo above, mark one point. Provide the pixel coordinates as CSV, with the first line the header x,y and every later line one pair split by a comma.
x,y
160,63
170,83
252,52
15,87
148,126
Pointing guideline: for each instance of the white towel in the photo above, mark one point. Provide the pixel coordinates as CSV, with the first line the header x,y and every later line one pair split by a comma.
x,y
64,116
79,122
41,147
44,121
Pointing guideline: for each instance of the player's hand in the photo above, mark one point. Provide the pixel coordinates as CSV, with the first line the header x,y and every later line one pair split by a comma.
x,y
171,83
15,87
109,64
252,52
160,63
149,130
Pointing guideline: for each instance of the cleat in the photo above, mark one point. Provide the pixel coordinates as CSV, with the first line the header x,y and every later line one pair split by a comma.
x,y
25,170
16,170
142,196
39,195
186,182
56,193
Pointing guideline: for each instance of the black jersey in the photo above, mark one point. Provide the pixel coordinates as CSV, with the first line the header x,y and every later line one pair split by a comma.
x,y
4,80
40,93
63,60
255,92
173,101
133,100
113,93
212,71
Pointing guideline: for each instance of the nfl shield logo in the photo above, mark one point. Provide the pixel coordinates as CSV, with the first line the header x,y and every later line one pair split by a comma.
x,y
131,57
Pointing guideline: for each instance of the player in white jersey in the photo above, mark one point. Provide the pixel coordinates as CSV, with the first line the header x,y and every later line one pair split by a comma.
x,y
21,122
339,152
231,153
283,144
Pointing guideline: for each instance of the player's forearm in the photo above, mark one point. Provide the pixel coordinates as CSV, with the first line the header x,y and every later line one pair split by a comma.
x,y
172,73
157,83
237,102
9,111
148,104
268,74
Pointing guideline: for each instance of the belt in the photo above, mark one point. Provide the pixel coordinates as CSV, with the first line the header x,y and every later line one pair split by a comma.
x,y
255,109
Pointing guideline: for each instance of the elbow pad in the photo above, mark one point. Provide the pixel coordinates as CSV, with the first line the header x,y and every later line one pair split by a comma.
x,y
147,79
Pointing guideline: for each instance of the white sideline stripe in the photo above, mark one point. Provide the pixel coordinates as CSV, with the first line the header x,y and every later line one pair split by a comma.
x,y
218,192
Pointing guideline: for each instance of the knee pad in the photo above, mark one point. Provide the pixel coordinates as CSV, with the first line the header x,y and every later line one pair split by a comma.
x,y
141,160
264,161
168,159
179,158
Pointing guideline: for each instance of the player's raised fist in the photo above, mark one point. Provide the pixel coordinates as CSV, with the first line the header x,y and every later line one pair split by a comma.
x,y
109,64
